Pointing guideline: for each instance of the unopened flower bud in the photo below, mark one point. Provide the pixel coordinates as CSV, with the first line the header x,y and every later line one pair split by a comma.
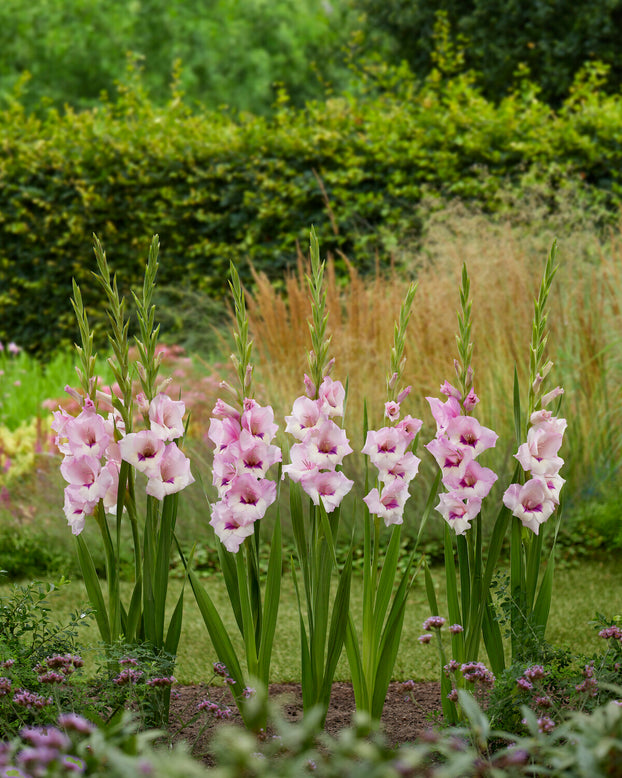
x,y
73,393
309,387
227,387
404,394
329,367
248,377
163,385
550,396
143,403
392,381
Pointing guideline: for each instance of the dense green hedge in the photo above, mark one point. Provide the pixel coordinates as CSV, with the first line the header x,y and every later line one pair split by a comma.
x,y
217,189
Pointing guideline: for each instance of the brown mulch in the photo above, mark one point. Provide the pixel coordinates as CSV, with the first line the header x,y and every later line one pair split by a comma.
x,y
404,718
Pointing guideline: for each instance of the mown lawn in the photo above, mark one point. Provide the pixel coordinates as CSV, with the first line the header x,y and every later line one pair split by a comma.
x,y
580,592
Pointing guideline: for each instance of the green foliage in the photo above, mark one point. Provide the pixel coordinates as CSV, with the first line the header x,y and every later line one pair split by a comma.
x,y
219,190
551,40
75,50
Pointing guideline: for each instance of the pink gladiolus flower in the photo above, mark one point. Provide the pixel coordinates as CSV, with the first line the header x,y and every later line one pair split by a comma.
x,y
552,395
449,391
144,451
86,434
384,446
332,396
248,499
330,486
392,410
530,503
389,505
471,481
173,473
253,455
468,432
259,421
402,470
327,445
305,416
301,463
223,432
450,458
166,417
456,512
410,427
443,412
470,401
223,410
229,531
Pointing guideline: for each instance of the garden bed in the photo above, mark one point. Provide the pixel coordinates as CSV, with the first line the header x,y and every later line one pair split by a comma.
x,y
404,717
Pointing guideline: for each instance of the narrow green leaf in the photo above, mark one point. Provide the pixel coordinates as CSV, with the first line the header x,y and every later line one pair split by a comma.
x,y
453,603
272,597
387,579
173,633
338,626
93,589
230,576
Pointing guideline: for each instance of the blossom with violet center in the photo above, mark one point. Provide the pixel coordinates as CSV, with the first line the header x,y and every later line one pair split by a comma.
x,y
173,473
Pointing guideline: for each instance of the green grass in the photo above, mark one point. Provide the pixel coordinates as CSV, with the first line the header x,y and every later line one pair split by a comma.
x,y
579,593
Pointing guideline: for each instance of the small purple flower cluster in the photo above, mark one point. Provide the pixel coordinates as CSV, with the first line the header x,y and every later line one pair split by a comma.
x,y
30,700
460,439
589,686
162,681
477,673
128,676
531,681
215,709
45,750
323,444
612,632
243,455
56,669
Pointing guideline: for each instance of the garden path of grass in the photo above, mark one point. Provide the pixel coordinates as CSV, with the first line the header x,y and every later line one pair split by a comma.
x,y
579,593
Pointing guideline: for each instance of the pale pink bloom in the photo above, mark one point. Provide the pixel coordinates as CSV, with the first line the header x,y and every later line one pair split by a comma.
x,y
228,529
86,434
174,473
223,410
449,456
248,499
402,470
389,505
224,469
332,396
13,348
143,403
166,417
450,391
306,414
457,513
410,427
254,456
385,446
223,432
143,450
110,496
443,412
467,431
392,410
470,401
554,485
330,486
472,481
546,419
86,496
552,395
75,512
530,503
59,424
259,421
327,445
301,462
81,470
539,454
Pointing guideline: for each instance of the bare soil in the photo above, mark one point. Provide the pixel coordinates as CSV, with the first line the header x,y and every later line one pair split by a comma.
x,y
405,715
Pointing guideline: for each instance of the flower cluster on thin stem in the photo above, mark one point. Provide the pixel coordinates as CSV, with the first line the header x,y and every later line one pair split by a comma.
x,y
460,438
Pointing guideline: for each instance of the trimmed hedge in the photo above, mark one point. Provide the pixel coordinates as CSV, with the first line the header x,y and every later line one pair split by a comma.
x,y
216,189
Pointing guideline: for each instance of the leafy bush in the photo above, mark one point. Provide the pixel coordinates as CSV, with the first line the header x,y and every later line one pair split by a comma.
x,y
217,190
74,50
553,39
